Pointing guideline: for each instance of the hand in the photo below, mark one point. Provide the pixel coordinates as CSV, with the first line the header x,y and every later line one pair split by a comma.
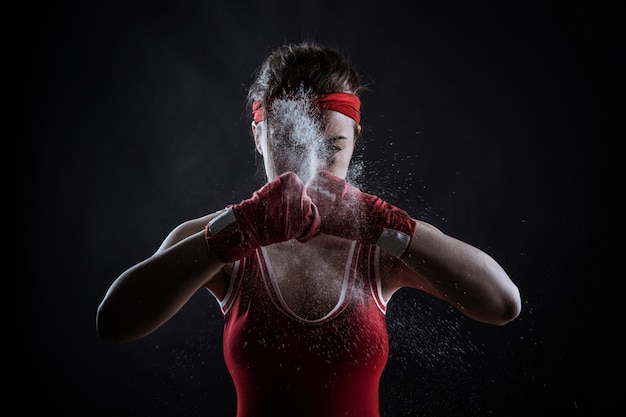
x,y
347,212
279,211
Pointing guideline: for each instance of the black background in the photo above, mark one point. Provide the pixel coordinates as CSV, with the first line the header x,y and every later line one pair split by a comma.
x,y
489,120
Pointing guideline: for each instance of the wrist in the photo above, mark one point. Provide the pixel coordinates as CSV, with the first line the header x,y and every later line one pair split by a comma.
x,y
396,242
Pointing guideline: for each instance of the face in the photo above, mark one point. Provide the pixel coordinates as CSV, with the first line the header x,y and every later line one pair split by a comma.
x,y
326,144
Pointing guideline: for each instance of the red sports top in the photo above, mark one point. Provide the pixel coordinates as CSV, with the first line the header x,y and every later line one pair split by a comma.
x,y
282,364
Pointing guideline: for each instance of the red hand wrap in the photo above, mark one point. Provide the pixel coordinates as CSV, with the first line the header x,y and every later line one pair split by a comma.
x,y
279,211
347,212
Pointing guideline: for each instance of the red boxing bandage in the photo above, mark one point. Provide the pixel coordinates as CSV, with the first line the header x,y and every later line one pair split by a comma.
x,y
352,214
279,211
344,103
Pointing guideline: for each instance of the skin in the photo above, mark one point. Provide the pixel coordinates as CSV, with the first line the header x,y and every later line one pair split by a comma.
x,y
149,293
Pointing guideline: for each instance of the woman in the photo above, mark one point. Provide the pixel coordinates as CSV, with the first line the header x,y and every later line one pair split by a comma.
x,y
304,269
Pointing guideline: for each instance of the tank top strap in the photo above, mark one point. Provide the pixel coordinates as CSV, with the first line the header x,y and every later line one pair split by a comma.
x,y
369,262
239,269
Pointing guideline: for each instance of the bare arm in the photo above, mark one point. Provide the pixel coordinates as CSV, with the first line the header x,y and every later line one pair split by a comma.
x,y
464,276
149,293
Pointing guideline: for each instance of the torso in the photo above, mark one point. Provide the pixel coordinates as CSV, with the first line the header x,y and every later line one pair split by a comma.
x,y
305,329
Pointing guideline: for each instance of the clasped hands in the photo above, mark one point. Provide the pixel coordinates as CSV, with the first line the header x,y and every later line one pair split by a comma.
x,y
286,209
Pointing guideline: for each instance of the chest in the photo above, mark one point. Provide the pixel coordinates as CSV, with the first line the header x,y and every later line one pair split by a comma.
x,y
310,279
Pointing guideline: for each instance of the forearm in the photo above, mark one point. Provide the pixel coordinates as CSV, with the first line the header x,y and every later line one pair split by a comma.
x,y
151,292
464,276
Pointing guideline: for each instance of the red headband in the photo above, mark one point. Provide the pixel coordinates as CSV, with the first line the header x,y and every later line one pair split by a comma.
x,y
344,103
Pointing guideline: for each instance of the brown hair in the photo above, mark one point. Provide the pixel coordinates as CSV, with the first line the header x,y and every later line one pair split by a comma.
x,y
303,67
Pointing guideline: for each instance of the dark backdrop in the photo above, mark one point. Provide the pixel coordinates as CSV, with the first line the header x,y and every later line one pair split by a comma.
x,y
487,119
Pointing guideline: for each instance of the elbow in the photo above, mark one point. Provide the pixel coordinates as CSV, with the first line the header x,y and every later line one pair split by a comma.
x,y
497,307
104,328
515,304
510,307
108,328
506,303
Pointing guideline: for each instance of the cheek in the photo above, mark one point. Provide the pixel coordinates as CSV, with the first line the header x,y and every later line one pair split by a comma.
x,y
345,155
339,162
